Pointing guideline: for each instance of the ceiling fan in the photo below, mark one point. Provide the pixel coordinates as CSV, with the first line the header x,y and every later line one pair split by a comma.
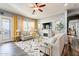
x,y
38,6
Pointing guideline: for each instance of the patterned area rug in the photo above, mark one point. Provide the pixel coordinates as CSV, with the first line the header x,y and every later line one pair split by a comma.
x,y
30,47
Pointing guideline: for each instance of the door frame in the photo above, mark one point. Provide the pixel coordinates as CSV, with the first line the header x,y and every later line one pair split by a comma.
x,y
9,18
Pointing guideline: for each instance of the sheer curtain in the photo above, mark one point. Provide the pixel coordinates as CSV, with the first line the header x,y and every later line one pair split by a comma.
x,y
29,25
25,25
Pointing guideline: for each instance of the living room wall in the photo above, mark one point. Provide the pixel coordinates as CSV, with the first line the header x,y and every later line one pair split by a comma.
x,y
11,16
17,23
28,24
54,19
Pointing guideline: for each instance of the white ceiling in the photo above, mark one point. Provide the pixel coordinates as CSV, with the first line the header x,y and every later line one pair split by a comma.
x,y
26,10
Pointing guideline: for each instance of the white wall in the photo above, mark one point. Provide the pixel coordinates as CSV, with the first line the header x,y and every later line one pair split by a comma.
x,y
54,19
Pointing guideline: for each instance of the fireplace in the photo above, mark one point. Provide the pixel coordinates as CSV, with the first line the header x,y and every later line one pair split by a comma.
x,y
45,34
47,29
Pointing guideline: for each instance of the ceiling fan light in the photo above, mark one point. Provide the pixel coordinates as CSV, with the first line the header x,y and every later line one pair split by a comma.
x,y
35,8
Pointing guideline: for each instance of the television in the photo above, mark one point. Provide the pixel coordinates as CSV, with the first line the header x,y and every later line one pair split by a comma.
x,y
47,25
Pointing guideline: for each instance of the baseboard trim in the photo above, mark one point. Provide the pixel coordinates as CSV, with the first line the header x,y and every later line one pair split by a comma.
x,y
6,42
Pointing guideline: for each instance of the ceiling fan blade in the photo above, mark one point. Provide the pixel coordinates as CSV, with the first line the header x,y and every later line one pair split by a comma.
x,y
42,5
33,12
40,10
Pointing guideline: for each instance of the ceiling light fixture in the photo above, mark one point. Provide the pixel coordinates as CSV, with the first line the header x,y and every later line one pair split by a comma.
x,y
38,6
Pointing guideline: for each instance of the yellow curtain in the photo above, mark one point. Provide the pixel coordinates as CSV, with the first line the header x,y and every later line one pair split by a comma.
x,y
22,24
36,24
15,26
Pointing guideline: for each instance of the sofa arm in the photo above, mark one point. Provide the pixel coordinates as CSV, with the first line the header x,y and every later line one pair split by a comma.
x,y
22,37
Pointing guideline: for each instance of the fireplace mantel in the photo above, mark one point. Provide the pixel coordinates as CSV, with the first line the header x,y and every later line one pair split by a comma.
x,y
46,32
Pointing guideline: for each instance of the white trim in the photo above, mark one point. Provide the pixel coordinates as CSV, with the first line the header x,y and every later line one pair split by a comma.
x,y
9,18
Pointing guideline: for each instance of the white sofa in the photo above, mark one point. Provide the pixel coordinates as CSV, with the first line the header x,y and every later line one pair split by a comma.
x,y
59,45
26,36
55,46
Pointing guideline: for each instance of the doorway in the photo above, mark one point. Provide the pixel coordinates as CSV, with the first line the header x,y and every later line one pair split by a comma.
x,y
5,29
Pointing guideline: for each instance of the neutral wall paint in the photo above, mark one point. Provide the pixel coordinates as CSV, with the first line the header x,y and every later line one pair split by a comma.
x,y
20,21
54,19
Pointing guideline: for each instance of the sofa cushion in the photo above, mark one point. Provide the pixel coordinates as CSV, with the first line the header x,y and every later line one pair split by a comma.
x,y
25,33
25,36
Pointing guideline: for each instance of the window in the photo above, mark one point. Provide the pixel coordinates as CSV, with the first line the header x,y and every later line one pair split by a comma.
x,y
29,25
25,25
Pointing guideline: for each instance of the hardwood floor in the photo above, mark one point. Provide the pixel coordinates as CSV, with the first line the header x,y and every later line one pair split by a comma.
x,y
10,49
69,48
